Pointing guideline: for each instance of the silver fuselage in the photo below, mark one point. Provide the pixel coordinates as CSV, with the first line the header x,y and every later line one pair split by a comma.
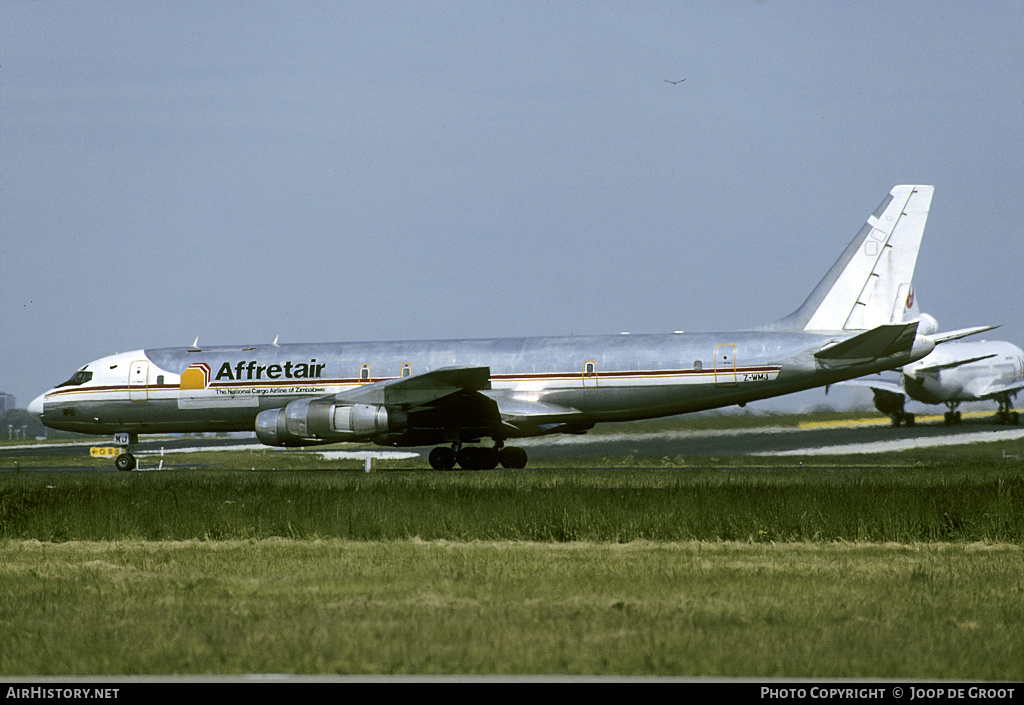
x,y
540,385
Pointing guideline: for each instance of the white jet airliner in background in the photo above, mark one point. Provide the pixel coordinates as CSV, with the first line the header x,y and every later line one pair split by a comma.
x,y
961,371
455,393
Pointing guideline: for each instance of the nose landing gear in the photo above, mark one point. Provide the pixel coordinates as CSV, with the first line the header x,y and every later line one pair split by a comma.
x,y
125,461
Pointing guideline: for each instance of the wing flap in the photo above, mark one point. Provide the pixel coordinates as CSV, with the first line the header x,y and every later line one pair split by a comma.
x,y
524,417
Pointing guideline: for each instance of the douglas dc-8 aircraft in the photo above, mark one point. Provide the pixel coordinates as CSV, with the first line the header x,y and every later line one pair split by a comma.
x,y
459,392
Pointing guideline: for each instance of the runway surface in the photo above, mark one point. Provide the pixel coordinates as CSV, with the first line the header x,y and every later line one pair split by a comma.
x,y
860,436
838,438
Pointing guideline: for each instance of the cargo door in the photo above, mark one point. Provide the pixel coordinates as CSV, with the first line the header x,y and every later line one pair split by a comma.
x,y
725,365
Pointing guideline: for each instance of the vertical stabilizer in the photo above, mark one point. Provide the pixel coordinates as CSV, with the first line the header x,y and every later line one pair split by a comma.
x,y
870,284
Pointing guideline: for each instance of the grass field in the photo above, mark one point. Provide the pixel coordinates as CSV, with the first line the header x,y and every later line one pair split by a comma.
x,y
727,609
757,504
908,565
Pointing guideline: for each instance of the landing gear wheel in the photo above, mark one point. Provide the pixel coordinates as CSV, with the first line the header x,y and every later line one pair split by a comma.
x,y
442,458
125,462
899,418
1011,418
512,458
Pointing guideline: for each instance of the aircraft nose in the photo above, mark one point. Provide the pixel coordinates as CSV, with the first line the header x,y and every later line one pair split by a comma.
x,y
35,407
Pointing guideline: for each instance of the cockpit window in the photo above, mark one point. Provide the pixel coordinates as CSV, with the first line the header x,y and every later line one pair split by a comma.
x,y
80,377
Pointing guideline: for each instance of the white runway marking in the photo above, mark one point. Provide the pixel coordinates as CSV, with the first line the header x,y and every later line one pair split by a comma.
x,y
325,454
905,444
364,454
652,436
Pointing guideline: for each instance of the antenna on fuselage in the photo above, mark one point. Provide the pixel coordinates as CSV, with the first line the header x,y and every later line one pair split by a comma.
x,y
195,344
275,341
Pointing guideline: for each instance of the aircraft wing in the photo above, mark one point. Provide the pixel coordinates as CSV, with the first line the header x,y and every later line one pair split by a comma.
x,y
996,391
870,345
380,409
458,388
874,383
931,369
422,389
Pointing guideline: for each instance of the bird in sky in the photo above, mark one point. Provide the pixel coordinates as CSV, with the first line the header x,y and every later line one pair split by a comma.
x,y
673,82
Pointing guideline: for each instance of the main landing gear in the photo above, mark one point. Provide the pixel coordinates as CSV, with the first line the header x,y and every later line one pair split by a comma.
x,y
477,458
892,403
901,417
1006,414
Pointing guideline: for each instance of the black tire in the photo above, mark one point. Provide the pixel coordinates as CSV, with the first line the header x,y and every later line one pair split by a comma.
x,y
512,458
125,462
442,458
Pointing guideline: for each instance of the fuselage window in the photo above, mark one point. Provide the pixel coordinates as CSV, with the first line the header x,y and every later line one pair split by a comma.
x,y
364,373
406,369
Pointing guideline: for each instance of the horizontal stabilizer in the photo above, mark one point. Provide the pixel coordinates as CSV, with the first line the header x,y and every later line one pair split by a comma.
x,y
938,338
882,341
420,389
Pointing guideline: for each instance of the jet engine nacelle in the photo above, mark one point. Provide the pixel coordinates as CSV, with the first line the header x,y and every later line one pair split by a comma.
x,y
313,421
927,325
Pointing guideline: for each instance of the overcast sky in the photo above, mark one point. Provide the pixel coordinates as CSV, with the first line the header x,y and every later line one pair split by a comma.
x,y
326,171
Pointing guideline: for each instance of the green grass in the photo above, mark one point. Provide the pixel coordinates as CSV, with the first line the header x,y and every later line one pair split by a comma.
x,y
766,504
933,611
905,565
